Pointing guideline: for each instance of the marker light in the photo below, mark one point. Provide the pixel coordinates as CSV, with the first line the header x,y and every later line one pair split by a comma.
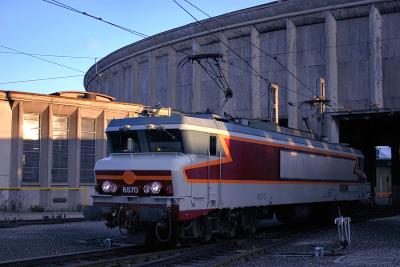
x,y
147,189
106,186
155,187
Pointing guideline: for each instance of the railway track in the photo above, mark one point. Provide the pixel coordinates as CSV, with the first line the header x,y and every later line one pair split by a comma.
x,y
222,253
142,255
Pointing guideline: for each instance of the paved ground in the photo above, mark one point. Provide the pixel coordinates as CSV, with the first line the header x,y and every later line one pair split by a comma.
x,y
37,215
374,243
41,240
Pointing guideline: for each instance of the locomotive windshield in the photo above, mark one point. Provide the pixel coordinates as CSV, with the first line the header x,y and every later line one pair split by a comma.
x,y
158,140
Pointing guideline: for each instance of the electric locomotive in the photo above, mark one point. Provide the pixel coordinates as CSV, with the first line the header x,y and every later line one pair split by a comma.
x,y
193,176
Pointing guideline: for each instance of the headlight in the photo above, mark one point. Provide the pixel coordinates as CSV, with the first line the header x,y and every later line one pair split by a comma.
x,y
146,189
106,186
113,188
155,187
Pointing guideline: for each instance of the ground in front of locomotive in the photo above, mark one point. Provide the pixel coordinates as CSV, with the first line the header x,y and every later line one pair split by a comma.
x,y
140,193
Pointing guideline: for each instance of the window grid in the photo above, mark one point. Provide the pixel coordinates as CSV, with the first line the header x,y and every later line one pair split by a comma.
x,y
60,150
31,148
88,150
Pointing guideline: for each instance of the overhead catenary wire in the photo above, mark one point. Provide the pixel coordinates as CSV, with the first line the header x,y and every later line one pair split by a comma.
x,y
50,55
42,79
43,59
62,5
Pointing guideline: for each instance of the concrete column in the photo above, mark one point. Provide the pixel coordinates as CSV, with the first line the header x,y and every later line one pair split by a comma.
x,y
331,74
16,152
172,77
375,38
46,155
99,137
135,82
20,143
255,80
291,80
49,152
74,157
103,122
224,50
6,140
196,78
152,72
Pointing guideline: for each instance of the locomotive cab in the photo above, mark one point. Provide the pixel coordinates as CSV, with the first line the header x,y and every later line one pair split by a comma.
x,y
141,184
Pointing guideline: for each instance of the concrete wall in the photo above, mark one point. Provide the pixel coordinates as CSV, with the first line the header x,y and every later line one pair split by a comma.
x,y
5,151
353,45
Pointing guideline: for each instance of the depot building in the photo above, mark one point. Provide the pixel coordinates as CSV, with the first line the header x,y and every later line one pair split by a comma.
x,y
49,145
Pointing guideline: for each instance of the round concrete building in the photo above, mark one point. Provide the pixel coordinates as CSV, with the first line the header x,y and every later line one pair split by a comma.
x,y
354,46
351,45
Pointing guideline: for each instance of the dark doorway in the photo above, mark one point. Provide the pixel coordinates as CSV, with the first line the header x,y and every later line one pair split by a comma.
x,y
365,131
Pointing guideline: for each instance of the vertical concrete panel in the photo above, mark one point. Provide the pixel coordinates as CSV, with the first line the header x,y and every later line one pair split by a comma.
x,y
128,84
5,151
224,50
184,94
135,82
210,91
144,87
240,77
152,77
273,43
353,63
391,59
121,83
376,76
172,77
255,58
196,48
162,80
310,62
331,74
291,81
116,73
105,83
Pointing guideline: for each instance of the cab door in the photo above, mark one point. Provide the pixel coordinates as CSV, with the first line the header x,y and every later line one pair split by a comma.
x,y
213,177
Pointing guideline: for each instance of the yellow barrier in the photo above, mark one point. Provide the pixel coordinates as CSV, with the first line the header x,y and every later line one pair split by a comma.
x,y
84,189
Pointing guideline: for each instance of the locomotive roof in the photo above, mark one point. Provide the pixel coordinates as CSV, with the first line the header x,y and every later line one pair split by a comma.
x,y
257,128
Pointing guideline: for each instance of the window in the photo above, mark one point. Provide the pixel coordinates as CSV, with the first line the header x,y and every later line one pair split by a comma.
x,y
213,145
31,148
161,140
88,150
124,142
60,150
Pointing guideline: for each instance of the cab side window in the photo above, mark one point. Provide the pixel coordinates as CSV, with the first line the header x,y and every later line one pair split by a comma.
x,y
213,145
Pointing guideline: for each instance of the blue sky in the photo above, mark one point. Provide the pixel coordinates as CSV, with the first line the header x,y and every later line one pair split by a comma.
x,y
34,26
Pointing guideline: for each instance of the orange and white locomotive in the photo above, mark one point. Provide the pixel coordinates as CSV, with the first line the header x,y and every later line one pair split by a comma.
x,y
192,176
